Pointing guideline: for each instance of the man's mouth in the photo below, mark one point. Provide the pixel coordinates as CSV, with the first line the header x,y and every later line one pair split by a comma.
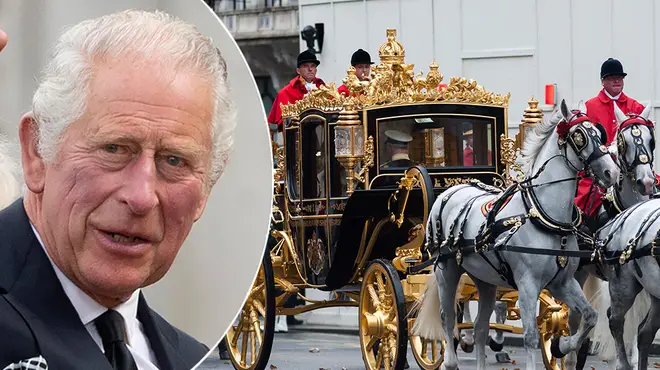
x,y
121,238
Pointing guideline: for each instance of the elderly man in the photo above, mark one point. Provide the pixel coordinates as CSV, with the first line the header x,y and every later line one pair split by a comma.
x,y
601,109
130,128
361,61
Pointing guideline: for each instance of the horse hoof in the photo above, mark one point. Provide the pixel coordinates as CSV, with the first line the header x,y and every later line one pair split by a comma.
x,y
467,348
496,347
554,348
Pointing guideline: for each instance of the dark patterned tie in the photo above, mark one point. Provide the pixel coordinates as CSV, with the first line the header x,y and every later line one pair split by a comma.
x,y
111,329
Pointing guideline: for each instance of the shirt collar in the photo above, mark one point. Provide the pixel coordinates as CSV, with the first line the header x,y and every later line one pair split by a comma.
x,y
399,156
612,97
86,307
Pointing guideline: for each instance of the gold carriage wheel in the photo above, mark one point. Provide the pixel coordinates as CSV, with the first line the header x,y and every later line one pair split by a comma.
x,y
428,353
250,340
553,323
383,327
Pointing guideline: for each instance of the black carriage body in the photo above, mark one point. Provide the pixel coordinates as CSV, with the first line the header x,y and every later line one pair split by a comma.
x,y
335,235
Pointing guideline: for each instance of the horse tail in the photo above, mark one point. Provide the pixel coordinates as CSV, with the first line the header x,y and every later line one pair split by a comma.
x,y
602,336
428,323
603,342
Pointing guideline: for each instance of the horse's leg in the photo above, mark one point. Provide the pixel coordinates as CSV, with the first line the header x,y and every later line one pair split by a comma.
x,y
487,293
623,290
574,318
570,292
496,342
528,296
448,278
646,334
467,336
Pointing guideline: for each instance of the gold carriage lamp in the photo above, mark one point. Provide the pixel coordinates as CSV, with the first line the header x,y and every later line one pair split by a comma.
x,y
350,144
532,115
434,147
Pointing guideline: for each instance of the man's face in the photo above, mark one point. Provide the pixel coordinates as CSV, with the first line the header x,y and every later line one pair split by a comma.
x,y
613,84
128,181
469,140
362,71
307,71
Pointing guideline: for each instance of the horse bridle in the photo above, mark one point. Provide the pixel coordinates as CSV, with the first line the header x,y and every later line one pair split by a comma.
x,y
583,132
642,156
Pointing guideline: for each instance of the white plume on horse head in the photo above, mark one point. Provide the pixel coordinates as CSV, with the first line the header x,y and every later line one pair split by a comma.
x,y
582,107
647,110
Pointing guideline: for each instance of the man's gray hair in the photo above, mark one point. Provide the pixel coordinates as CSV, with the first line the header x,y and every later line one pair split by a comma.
x,y
10,187
62,94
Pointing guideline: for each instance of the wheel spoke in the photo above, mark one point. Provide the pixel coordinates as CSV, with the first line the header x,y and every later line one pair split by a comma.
x,y
371,343
239,330
244,349
253,345
259,307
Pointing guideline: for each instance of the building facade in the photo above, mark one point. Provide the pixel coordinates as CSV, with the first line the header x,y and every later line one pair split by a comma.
x,y
268,34
516,46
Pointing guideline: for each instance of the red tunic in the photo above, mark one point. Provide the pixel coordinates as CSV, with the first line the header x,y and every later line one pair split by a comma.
x,y
468,159
601,109
291,93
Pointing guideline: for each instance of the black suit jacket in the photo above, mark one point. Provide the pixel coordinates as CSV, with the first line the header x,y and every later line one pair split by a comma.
x,y
37,318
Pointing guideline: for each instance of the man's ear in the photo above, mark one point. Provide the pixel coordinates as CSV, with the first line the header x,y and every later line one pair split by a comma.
x,y
201,206
34,168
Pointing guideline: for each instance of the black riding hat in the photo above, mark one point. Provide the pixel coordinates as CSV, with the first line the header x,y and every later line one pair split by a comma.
x,y
611,67
307,57
361,57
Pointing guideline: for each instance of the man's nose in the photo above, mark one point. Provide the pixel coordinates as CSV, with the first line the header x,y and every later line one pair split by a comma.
x,y
139,189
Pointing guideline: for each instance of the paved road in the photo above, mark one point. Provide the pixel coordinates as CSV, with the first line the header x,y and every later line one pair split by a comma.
x,y
291,351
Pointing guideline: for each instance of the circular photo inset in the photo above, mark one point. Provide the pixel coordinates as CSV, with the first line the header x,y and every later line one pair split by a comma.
x,y
136,182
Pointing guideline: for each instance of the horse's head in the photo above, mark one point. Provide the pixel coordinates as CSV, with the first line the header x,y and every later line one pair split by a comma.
x,y
584,145
635,145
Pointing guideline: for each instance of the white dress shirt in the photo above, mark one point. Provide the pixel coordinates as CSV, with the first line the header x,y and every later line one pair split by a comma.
x,y
88,310
612,97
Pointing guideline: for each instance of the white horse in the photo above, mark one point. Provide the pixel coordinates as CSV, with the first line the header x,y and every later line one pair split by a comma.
x,y
634,231
634,136
10,188
537,215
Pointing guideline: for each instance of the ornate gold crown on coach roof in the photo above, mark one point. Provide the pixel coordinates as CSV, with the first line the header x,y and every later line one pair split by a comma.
x,y
394,83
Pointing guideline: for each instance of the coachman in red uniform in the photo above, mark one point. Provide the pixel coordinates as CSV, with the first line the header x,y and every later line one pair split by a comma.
x,y
601,109
361,61
297,87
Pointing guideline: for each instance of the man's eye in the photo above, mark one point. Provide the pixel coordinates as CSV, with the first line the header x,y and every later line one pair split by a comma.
x,y
174,161
111,148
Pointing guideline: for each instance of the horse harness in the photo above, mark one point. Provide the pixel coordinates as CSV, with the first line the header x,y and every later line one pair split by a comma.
x,y
455,246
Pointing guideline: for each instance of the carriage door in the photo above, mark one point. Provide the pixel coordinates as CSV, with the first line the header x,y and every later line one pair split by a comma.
x,y
315,188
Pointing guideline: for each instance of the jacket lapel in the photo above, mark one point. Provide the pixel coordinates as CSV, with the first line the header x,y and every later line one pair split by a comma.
x,y
164,340
33,287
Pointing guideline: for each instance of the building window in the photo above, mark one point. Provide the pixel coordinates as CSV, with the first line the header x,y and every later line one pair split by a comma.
x,y
267,91
265,21
272,3
230,22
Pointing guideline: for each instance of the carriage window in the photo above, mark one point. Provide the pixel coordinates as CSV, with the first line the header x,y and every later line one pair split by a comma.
x,y
338,184
435,141
292,163
314,158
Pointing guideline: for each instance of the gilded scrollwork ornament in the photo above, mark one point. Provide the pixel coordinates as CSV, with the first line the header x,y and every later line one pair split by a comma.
x,y
393,82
